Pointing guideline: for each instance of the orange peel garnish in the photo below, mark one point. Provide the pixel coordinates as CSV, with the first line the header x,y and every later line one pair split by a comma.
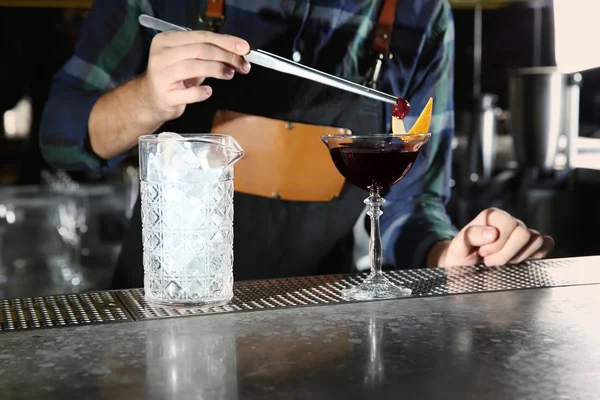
x,y
422,123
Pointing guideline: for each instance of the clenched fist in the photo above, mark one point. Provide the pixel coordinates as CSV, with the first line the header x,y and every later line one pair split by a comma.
x,y
493,238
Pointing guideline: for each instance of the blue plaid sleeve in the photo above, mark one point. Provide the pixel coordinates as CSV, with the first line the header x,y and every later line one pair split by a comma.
x,y
414,216
112,49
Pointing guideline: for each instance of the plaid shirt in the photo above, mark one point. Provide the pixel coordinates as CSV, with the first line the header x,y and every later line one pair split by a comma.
x,y
332,37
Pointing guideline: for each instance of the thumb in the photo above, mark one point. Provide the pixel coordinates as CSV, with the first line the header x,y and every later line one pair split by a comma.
x,y
471,238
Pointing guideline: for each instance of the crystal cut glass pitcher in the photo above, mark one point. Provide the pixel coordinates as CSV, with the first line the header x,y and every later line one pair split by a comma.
x,y
187,217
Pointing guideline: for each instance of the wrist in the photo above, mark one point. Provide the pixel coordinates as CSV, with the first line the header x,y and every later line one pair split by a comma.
x,y
437,254
119,117
147,119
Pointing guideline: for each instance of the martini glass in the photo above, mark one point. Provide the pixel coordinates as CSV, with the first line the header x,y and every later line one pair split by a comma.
x,y
374,163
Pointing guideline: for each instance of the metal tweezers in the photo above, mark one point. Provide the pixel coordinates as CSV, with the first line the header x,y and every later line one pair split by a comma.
x,y
277,63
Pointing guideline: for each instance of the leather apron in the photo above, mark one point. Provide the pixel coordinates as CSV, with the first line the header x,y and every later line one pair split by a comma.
x,y
273,236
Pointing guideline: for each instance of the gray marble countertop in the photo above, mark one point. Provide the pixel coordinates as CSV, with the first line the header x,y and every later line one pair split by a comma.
x,y
520,344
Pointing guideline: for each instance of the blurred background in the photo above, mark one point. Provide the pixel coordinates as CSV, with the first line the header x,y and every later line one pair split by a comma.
x,y
526,138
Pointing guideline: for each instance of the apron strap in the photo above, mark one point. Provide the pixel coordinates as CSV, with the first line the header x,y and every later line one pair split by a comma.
x,y
381,41
385,25
213,16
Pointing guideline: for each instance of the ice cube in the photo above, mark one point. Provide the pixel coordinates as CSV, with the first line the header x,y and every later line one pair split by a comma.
x,y
169,135
182,161
196,210
206,178
153,172
173,158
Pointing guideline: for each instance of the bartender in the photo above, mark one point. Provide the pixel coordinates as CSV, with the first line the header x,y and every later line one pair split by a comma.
x,y
125,81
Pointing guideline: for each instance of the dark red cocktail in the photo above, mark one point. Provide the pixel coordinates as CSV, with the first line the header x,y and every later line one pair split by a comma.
x,y
380,168
374,163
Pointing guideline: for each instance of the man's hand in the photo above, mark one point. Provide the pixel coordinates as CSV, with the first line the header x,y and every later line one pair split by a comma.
x,y
493,238
178,64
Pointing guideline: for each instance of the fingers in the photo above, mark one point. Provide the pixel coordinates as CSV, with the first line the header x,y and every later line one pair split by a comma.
x,y
468,240
190,95
517,251
179,38
505,224
193,82
178,64
534,245
477,236
521,244
546,248
190,69
494,237
204,51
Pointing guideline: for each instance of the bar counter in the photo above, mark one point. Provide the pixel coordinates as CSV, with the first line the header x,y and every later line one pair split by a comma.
x,y
514,332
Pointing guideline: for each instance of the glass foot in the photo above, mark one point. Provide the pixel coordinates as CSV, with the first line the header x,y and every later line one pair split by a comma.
x,y
162,302
375,286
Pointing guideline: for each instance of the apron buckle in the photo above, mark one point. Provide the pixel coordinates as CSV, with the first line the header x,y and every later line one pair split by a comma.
x,y
213,17
212,23
374,73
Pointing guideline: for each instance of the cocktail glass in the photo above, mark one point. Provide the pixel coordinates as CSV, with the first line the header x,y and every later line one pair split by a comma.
x,y
375,163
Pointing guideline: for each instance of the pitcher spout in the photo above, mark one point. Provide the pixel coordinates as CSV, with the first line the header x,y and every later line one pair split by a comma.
x,y
234,151
220,150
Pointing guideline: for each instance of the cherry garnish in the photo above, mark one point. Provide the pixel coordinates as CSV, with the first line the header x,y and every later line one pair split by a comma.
x,y
401,108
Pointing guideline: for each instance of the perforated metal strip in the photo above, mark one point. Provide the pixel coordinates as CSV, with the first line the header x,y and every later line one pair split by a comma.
x,y
325,289
64,310
129,305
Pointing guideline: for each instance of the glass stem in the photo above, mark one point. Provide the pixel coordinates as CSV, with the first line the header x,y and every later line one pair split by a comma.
x,y
375,201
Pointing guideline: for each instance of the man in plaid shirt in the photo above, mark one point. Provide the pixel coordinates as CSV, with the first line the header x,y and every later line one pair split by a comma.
x,y
125,81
